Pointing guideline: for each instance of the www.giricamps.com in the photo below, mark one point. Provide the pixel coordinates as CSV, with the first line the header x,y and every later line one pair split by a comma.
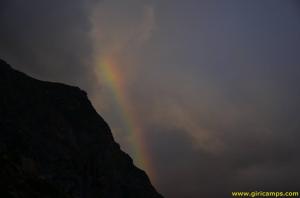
x,y
264,194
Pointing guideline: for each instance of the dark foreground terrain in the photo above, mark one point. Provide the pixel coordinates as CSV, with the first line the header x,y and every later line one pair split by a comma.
x,y
54,144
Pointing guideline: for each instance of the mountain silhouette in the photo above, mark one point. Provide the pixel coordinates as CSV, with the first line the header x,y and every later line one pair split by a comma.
x,y
54,144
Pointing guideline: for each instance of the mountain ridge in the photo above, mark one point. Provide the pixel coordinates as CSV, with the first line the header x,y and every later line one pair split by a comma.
x,y
51,132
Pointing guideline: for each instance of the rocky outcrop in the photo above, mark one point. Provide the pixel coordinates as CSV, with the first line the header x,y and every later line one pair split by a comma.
x,y
54,144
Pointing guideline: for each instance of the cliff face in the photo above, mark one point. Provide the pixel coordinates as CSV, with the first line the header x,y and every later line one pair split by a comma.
x,y
54,144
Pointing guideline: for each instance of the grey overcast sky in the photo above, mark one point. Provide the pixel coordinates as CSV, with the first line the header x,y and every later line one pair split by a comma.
x,y
203,94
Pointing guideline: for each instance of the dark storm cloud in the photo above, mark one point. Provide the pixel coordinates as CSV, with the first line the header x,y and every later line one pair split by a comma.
x,y
215,84
223,108
48,39
252,159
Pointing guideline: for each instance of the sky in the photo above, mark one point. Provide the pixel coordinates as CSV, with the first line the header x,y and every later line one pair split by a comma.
x,y
203,94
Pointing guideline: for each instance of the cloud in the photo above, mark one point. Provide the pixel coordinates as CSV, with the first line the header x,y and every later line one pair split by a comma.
x,y
248,161
215,85
119,31
117,28
147,27
213,124
48,39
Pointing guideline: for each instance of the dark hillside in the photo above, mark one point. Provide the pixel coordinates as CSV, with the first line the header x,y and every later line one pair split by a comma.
x,y
54,144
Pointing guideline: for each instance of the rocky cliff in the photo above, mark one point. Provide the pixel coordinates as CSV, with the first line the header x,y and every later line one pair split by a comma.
x,y
54,144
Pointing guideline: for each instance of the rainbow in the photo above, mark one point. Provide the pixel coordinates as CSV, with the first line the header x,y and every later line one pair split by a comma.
x,y
115,81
